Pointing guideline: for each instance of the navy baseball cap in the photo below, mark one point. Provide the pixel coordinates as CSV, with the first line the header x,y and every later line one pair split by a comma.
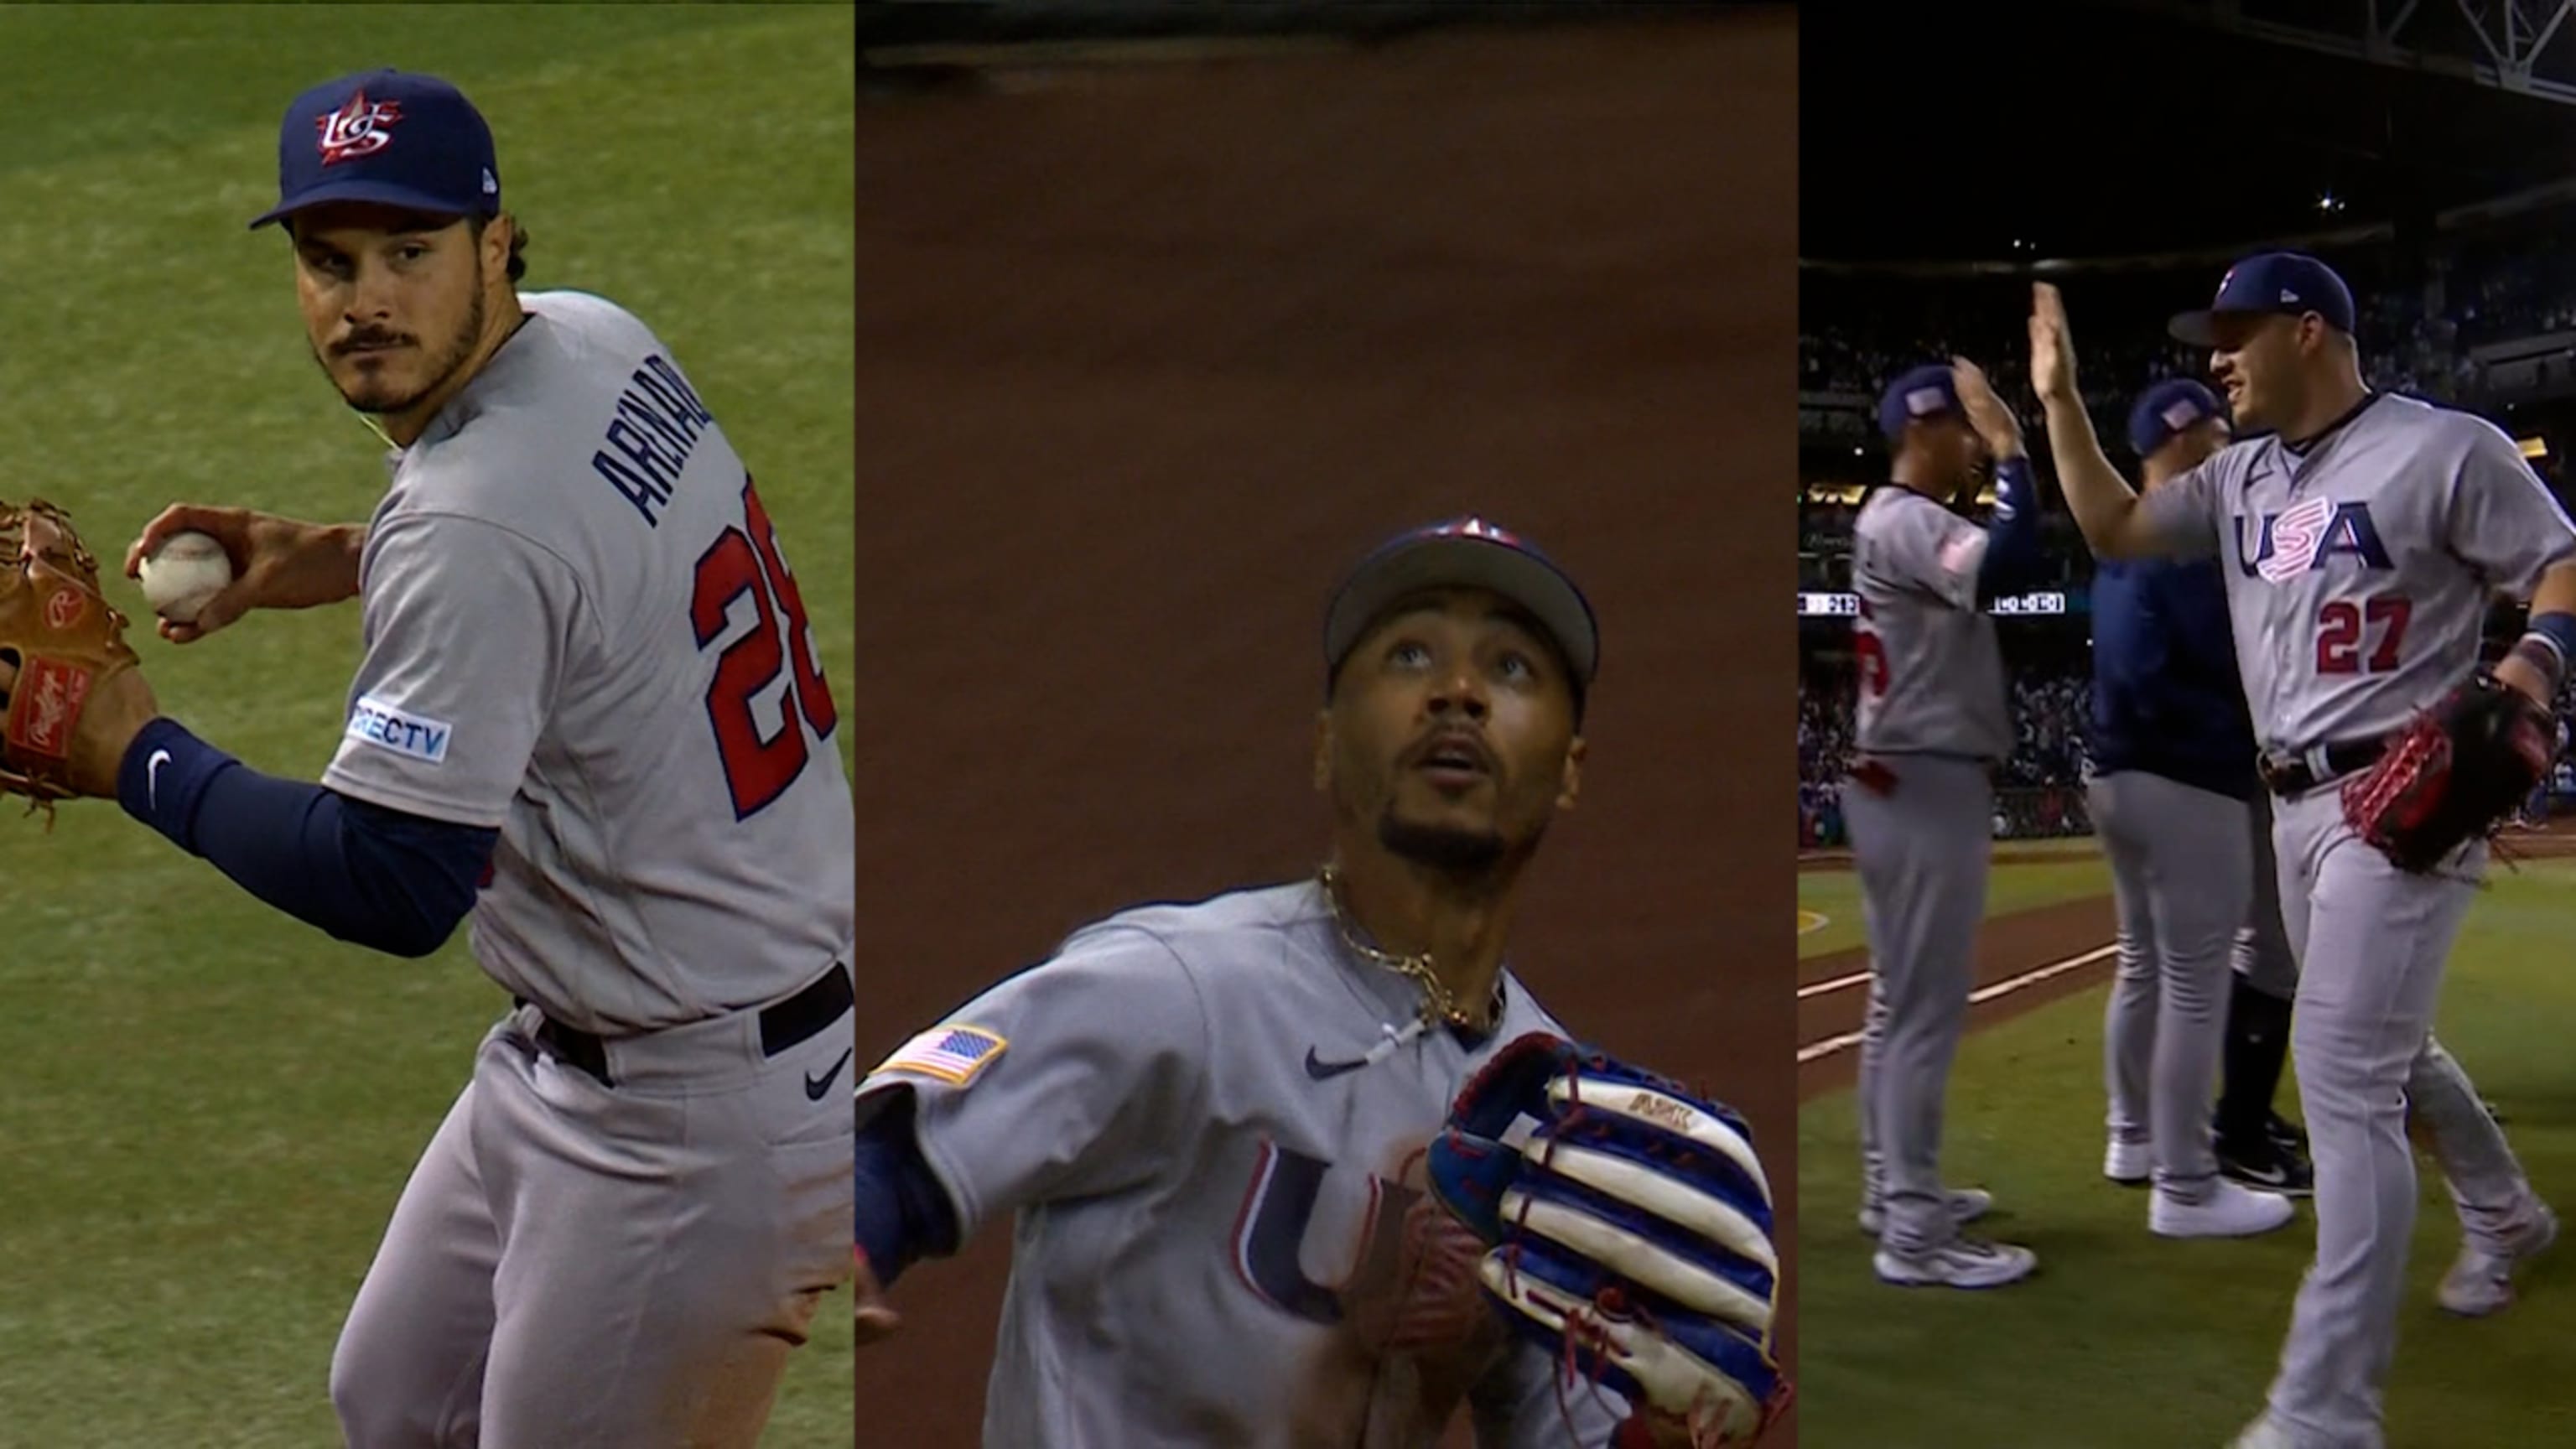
x,y
1919,395
2282,284
1468,553
2167,411
387,136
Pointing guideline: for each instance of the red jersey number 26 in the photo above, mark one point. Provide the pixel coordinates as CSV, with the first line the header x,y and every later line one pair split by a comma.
x,y
744,561
2362,636
1868,654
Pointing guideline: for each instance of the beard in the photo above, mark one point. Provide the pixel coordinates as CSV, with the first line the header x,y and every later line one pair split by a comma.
x,y
1453,850
444,365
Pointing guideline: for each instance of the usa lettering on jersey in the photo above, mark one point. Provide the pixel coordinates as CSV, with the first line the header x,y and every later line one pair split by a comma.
x,y
2302,537
659,420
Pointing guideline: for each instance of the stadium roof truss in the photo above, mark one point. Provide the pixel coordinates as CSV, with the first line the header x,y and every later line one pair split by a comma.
x,y
2503,44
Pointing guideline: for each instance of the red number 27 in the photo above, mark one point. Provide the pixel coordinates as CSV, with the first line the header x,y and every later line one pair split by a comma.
x,y
744,561
2341,624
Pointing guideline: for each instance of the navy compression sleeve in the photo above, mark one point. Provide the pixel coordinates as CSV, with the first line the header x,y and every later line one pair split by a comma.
x,y
903,1212
373,877
2012,539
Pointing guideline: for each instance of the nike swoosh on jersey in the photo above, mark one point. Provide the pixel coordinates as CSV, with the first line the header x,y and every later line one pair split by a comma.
x,y
814,1089
1324,1071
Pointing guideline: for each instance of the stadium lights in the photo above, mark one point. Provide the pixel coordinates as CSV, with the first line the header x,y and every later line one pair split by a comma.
x,y
2328,201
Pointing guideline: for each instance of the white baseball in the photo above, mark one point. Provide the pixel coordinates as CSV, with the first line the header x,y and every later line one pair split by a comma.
x,y
181,575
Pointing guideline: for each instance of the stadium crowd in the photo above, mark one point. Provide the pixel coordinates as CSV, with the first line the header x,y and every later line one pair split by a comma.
x,y
2039,790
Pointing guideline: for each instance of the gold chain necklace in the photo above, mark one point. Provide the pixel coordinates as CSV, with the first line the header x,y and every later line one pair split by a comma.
x,y
1439,1005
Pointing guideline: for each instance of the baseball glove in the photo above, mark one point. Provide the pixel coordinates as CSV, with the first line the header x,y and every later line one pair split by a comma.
x,y
60,641
2452,775
1629,1233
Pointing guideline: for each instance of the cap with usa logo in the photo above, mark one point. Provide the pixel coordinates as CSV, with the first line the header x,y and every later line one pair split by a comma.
x,y
2167,411
2281,284
387,136
1918,395
1470,553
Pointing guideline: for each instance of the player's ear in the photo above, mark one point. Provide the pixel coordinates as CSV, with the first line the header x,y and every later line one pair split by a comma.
x,y
1571,784
495,255
1323,749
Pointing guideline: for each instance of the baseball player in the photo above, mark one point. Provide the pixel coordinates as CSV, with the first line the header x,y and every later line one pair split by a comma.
x,y
2173,770
588,718
1209,1120
1929,729
2360,541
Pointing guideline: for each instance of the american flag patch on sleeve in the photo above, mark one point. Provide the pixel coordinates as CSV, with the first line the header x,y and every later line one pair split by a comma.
x,y
951,1054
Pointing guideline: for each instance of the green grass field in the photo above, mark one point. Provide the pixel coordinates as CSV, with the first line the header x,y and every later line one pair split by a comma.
x,y
2125,1341
206,1108
1835,895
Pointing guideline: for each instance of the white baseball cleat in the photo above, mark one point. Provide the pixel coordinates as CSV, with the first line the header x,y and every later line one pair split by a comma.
x,y
2128,1163
1958,1263
2263,1434
2230,1211
2481,1282
1967,1204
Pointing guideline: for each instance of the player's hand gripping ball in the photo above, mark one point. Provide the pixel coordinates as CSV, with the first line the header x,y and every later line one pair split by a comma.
x,y
70,682
1630,1232
2452,775
183,573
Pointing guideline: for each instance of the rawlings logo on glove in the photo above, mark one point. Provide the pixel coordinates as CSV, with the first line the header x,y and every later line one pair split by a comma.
x,y
59,641
2452,775
1630,1233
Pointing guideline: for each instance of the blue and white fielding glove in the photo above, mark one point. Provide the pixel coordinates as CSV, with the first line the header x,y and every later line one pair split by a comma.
x,y
1629,1230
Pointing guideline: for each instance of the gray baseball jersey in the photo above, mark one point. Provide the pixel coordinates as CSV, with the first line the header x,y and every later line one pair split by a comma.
x,y
580,629
1223,1236
2359,572
1931,674
2358,581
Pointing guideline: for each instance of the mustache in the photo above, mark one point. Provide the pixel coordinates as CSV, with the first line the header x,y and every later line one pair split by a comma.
x,y
356,340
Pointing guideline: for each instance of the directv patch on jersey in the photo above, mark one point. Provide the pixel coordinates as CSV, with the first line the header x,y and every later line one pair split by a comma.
x,y
951,1054
377,723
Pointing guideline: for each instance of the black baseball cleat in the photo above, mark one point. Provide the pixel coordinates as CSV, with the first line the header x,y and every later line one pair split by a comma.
x,y
2269,1166
2286,1133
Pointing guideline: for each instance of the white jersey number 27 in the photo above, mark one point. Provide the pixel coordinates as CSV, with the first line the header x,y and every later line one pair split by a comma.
x,y
745,560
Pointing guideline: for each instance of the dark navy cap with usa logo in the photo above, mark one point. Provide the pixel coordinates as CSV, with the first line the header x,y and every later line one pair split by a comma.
x,y
2167,411
1464,553
1920,395
2280,284
386,136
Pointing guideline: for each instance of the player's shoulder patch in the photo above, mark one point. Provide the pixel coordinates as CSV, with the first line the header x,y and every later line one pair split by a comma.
x,y
952,1052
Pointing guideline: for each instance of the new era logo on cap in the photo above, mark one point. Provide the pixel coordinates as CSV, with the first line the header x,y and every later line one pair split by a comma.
x,y
1473,527
360,128
2181,413
1925,401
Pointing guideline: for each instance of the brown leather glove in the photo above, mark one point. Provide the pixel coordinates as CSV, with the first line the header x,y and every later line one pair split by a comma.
x,y
60,642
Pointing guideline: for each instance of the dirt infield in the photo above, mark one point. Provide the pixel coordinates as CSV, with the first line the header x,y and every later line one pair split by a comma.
x,y
1833,989
1147,354
1821,861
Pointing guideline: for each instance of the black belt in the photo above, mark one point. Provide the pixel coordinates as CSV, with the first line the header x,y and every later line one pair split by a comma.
x,y
2286,775
791,1023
